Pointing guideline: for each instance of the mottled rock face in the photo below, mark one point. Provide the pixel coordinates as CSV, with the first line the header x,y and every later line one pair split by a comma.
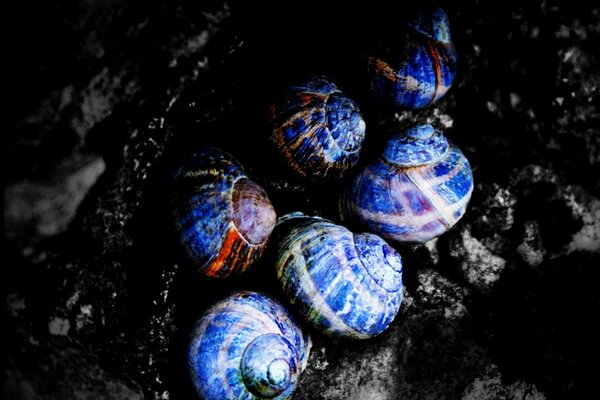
x,y
107,97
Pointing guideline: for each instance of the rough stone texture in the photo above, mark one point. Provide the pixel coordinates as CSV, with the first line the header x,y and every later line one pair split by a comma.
x,y
36,210
479,266
490,387
106,96
46,367
531,248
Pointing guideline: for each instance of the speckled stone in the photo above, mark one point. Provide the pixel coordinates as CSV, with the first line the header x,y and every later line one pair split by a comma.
x,y
477,264
490,386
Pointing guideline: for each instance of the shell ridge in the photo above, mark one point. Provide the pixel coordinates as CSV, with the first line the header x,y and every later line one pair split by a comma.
x,y
401,216
304,148
434,55
430,195
318,300
323,307
220,373
224,334
317,130
335,143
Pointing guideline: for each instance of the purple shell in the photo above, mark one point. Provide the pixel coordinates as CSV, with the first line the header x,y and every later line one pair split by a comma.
x,y
415,192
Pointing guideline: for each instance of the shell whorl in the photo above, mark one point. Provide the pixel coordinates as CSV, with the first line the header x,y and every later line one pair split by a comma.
x,y
382,262
416,66
317,129
247,346
434,24
419,145
346,285
223,219
269,365
416,191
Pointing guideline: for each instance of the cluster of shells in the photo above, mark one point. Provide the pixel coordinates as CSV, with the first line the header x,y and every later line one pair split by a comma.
x,y
345,284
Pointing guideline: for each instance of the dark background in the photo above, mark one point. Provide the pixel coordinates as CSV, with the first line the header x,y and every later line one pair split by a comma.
x,y
104,97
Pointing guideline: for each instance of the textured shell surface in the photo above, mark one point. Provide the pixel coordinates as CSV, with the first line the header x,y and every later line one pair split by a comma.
x,y
346,285
317,129
416,191
418,67
247,347
222,218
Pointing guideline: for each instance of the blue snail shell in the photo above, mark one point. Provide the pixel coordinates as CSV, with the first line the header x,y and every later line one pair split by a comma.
x,y
347,285
317,129
417,190
223,219
418,67
247,347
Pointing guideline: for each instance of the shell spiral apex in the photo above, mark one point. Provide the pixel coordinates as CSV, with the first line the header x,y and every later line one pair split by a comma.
x,y
346,285
416,191
418,146
247,346
222,218
317,129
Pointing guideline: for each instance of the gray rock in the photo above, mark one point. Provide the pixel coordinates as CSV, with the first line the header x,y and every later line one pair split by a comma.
x,y
587,208
489,386
579,209
479,266
438,294
36,210
428,352
496,212
365,370
531,249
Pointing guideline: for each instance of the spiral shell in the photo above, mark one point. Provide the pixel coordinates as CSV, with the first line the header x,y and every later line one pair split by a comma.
x,y
247,347
418,67
222,218
347,285
317,129
416,191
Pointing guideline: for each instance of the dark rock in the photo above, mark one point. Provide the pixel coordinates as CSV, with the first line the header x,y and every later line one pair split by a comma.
x,y
553,204
436,293
52,367
495,213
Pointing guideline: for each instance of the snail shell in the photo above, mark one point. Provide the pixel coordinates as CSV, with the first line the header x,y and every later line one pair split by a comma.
x,y
247,347
317,129
416,191
222,218
418,67
347,285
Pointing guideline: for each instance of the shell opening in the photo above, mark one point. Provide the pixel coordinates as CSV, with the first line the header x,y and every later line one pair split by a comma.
x,y
269,365
253,213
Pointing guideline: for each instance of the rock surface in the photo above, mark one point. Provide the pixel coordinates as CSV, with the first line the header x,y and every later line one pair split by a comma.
x,y
99,301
